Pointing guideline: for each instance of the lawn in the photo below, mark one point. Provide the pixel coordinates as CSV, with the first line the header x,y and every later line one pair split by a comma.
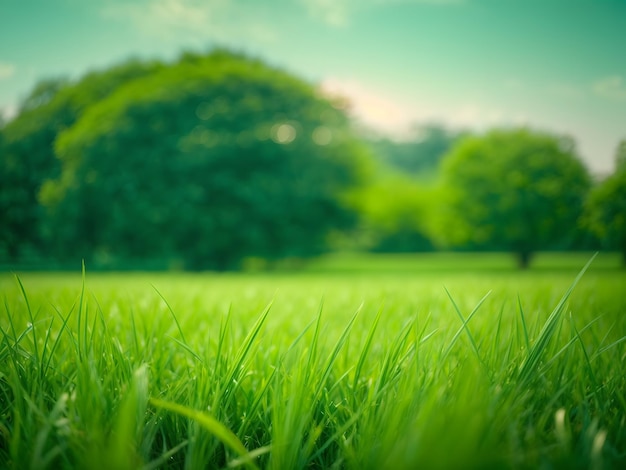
x,y
429,361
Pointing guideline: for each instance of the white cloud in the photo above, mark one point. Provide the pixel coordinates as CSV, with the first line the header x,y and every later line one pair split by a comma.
x,y
193,21
560,89
332,12
6,70
397,116
612,87
8,112
164,17
371,107
480,117
338,13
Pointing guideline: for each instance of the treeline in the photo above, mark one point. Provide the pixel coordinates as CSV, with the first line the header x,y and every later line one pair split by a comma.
x,y
218,159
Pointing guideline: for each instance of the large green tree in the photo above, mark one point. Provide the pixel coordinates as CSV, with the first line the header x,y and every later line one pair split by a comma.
x,y
605,208
27,155
515,190
209,160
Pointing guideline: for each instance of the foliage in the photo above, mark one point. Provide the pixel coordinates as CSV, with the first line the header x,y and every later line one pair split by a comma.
x,y
396,206
108,374
395,213
27,158
211,159
419,155
515,190
605,208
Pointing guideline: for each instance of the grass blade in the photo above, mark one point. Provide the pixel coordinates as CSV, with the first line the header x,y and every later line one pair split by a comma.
x,y
208,422
530,364
464,326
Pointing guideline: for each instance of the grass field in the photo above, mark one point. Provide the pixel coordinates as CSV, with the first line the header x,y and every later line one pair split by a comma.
x,y
432,361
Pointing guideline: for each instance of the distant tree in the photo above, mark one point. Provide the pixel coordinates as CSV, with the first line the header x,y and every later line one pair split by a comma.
x,y
395,213
27,158
515,190
620,157
212,159
605,208
420,154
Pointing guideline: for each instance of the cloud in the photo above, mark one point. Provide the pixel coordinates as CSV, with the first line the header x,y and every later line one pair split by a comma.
x,y
192,21
6,70
556,89
332,12
165,16
8,112
612,87
338,13
397,116
371,107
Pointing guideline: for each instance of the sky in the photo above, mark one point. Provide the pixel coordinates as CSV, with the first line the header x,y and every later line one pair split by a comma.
x,y
553,65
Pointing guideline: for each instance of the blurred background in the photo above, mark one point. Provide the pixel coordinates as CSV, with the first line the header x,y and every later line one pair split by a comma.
x,y
228,135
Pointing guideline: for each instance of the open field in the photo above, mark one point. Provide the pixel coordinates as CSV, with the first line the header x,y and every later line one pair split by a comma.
x,y
432,361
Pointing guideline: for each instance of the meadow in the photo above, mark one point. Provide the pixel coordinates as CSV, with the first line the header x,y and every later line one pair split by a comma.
x,y
351,362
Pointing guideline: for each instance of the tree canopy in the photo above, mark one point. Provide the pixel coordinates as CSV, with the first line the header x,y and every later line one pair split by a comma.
x,y
395,213
515,190
27,157
605,209
209,160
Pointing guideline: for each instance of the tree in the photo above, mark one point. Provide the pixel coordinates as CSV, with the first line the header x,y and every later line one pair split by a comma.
x,y
27,158
420,154
395,214
212,159
605,208
516,190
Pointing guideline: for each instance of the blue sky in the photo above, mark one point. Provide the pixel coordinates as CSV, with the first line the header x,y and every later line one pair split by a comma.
x,y
551,64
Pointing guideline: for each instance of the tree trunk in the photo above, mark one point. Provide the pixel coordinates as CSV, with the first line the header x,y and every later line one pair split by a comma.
x,y
13,250
523,259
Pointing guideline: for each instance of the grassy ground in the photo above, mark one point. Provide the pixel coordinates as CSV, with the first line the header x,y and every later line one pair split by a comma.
x,y
433,361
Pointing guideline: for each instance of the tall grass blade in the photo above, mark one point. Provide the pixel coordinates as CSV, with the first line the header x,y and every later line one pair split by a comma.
x,y
312,359
253,454
524,327
40,457
208,422
531,363
80,315
365,350
335,352
587,361
32,320
465,327
122,451
610,346
162,460
569,343
242,355
188,349
171,310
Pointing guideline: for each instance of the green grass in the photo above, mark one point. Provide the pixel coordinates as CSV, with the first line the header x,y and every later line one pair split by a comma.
x,y
430,365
